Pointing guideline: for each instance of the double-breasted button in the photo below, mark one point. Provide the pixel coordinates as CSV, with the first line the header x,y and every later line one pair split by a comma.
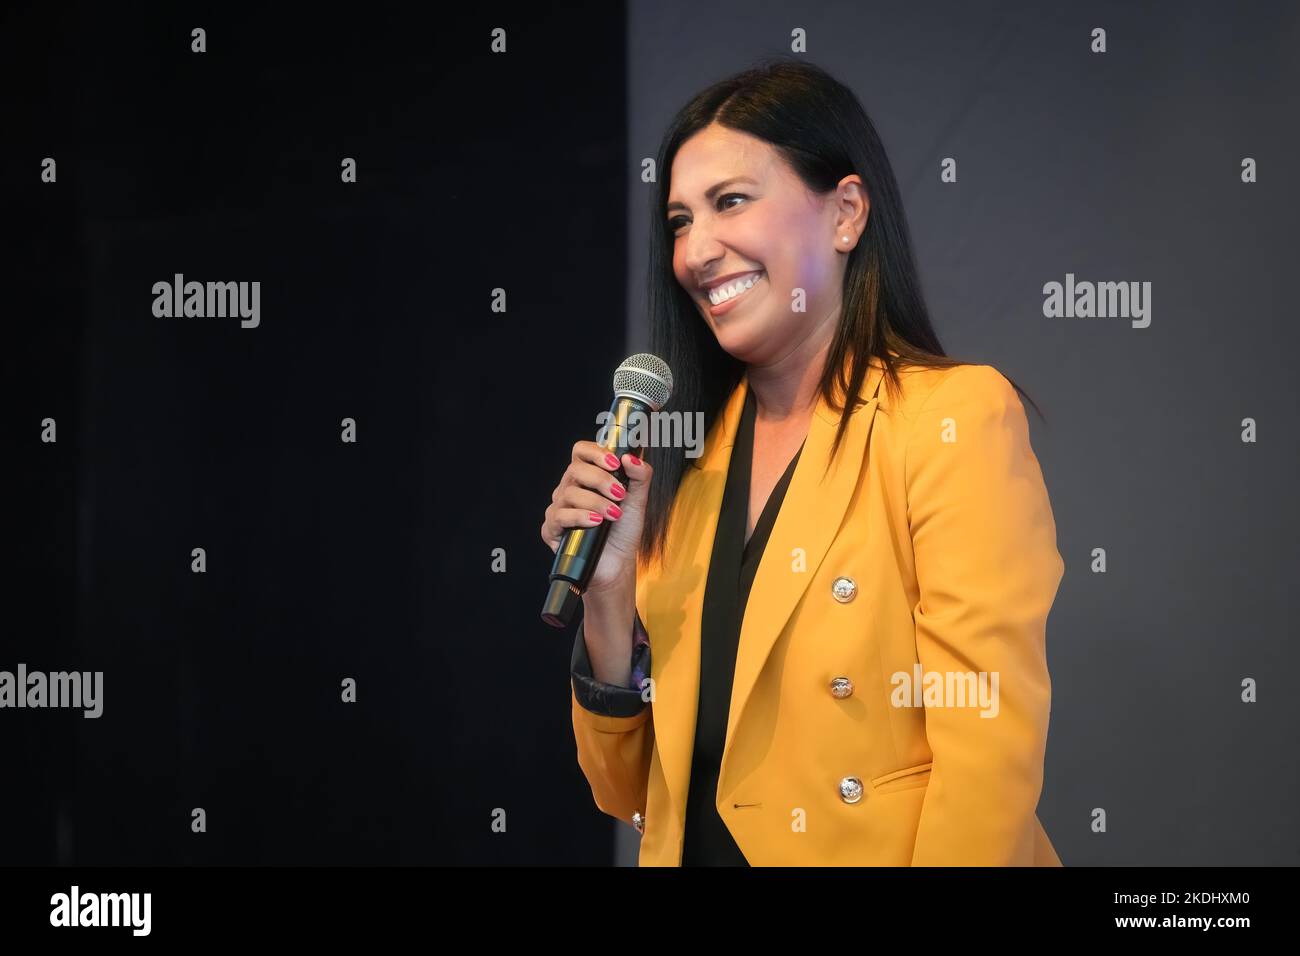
x,y
844,589
841,687
638,821
850,789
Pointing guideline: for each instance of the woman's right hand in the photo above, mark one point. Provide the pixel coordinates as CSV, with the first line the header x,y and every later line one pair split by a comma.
x,y
588,485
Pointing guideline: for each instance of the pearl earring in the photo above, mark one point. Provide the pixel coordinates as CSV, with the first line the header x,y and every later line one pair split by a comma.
x,y
845,238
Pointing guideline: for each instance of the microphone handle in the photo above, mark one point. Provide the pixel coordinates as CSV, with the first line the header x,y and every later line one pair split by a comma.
x,y
580,548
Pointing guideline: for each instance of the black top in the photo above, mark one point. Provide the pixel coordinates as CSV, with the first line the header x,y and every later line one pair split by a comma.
x,y
732,566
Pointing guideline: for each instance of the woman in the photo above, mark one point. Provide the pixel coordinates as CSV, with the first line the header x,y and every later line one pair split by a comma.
x,y
821,641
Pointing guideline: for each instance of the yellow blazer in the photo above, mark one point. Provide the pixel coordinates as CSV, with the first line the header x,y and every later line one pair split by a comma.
x,y
935,521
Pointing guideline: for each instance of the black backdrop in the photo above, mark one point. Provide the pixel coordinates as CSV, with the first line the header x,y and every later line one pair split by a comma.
x,y
325,560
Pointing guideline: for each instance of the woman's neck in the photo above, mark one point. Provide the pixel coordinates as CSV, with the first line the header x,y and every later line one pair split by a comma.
x,y
786,390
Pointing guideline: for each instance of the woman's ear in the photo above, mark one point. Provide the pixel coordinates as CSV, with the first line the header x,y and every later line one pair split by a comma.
x,y
853,208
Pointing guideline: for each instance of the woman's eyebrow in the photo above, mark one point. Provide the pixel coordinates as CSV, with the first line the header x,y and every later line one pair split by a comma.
x,y
713,190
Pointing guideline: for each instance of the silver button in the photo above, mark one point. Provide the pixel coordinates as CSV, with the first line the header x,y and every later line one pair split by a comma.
x,y
844,589
841,687
638,821
850,789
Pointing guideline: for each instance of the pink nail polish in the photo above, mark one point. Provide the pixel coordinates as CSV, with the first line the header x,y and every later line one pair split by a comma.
x,y
596,517
611,461
617,490
615,511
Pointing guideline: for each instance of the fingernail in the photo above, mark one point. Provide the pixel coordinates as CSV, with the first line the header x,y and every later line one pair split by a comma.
x,y
617,490
614,511
634,460
596,517
612,461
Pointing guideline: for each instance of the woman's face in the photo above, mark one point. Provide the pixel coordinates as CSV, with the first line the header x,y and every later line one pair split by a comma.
x,y
735,207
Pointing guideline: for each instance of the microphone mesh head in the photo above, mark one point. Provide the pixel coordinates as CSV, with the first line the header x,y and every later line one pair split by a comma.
x,y
646,377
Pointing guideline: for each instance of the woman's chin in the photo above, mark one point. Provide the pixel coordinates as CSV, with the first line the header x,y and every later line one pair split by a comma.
x,y
741,340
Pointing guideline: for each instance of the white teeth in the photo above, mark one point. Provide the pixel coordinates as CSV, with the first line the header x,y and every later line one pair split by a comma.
x,y
732,289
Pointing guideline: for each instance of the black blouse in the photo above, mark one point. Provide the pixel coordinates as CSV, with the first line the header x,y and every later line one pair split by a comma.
x,y
732,567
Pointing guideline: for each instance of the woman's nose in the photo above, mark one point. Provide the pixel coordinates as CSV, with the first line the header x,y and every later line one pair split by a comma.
x,y
702,249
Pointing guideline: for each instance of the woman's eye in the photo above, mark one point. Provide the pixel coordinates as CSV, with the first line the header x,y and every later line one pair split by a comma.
x,y
676,222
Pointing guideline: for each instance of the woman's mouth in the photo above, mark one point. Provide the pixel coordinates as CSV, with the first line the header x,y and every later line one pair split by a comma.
x,y
725,298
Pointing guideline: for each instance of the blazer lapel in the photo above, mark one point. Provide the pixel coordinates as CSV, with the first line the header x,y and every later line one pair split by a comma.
x,y
671,600
810,517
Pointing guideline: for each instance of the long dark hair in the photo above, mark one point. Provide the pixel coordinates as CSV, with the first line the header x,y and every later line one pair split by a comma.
x,y
821,130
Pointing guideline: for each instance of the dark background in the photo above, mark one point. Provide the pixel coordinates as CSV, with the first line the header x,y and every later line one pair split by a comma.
x,y
1122,166
521,171
325,560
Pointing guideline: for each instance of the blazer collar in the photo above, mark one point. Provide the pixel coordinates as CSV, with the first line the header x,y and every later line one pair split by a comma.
x,y
722,438
671,601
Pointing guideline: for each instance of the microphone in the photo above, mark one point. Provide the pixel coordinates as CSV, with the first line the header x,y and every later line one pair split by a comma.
x,y
643,383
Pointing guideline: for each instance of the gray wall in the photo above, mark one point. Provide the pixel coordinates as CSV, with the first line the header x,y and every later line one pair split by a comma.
x,y
1122,166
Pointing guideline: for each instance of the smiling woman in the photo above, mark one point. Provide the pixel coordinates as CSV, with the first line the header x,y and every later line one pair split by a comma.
x,y
743,225
864,507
